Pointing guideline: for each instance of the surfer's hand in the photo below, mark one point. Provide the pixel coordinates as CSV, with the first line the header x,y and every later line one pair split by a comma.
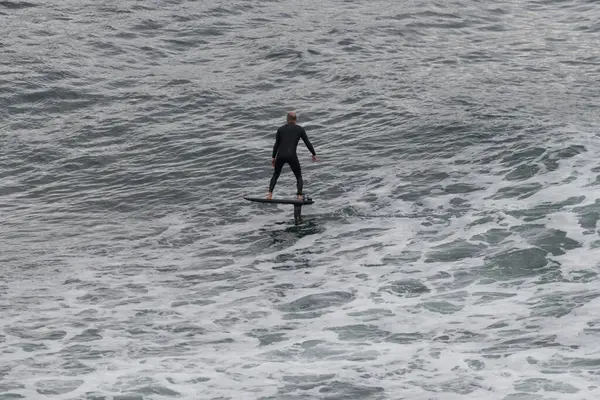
x,y
314,158
273,162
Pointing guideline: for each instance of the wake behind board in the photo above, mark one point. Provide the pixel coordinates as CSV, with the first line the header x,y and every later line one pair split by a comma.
x,y
305,201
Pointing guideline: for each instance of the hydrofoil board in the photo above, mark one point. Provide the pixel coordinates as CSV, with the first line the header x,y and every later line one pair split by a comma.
x,y
306,200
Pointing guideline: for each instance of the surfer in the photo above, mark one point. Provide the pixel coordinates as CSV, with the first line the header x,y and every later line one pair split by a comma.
x,y
284,151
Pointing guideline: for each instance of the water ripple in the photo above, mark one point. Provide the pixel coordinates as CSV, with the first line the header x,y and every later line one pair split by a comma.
x,y
454,231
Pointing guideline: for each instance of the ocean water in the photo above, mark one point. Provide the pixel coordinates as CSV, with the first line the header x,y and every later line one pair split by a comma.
x,y
452,251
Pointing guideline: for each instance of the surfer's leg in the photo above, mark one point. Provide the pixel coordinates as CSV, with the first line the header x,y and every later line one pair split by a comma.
x,y
295,166
278,166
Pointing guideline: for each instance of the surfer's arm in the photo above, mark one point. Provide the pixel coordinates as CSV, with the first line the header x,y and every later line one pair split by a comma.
x,y
308,143
277,142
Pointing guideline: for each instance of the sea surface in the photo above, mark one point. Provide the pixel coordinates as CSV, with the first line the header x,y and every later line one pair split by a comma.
x,y
452,252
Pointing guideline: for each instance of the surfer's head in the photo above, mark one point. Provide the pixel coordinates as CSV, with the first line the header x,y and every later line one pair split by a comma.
x,y
291,116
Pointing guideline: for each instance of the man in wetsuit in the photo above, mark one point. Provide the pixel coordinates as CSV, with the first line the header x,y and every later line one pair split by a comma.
x,y
284,151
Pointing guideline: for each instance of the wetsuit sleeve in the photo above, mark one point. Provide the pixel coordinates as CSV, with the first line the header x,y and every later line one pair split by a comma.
x,y
277,142
308,143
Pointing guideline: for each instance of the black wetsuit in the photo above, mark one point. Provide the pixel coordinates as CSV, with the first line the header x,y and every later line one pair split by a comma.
x,y
284,151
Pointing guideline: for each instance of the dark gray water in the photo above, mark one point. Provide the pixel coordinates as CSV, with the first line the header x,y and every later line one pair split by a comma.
x,y
452,251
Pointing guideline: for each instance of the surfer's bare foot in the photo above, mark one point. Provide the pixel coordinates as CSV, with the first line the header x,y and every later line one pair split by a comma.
x,y
299,197
270,196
